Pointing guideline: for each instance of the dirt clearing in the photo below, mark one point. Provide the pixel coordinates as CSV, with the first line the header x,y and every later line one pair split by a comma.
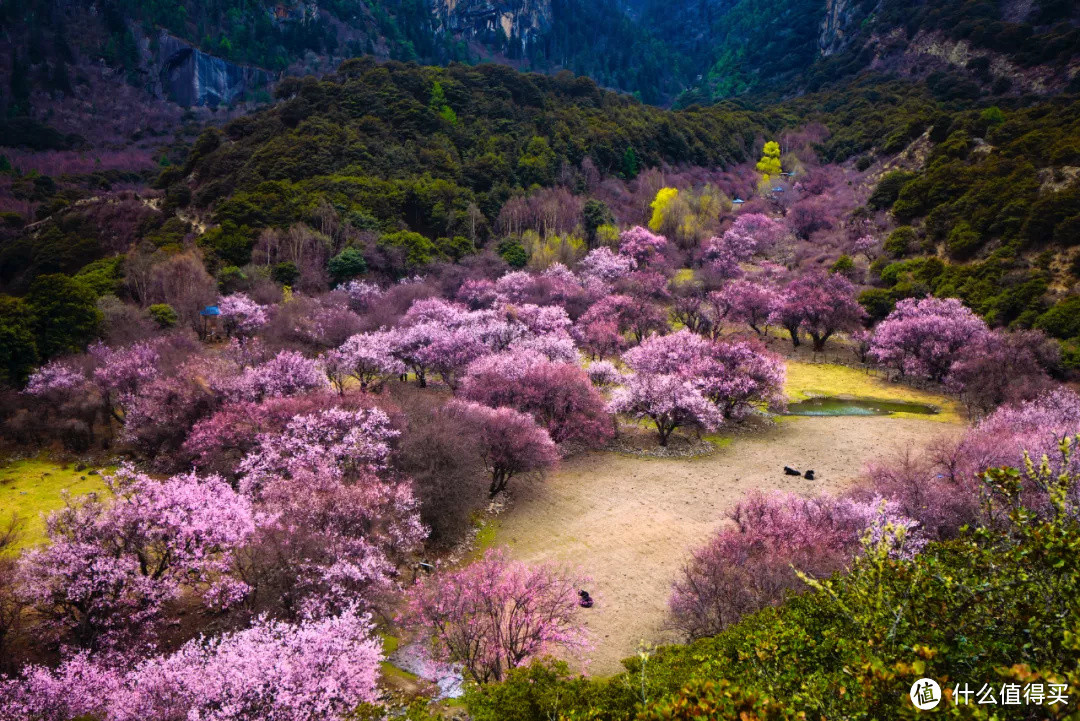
x,y
631,522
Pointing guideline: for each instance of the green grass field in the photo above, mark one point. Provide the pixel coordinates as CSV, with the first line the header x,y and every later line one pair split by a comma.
x,y
809,380
33,487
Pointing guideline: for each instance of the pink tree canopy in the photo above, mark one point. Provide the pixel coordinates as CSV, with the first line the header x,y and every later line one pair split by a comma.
x,y
477,293
749,302
111,564
314,670
286,374
641,244
241,315
820,304
362,295
638,315
733,375
669,401
1003,367
558,395
923,337
367,357
326,480
495,614
603,265
510,442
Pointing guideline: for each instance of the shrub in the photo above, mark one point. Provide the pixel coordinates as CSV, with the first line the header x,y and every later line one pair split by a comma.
x,y
901,241
888,189
844,265
285,273
347,264
1063,319
963,241
877,303
163,314
513,252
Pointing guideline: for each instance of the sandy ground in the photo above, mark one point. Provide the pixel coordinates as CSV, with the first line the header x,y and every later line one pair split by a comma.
x,y
630,522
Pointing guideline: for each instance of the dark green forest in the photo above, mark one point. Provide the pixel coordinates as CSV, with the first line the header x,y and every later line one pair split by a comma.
x,y
437,153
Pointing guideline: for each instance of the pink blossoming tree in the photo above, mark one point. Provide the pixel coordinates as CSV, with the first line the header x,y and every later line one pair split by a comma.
x,y
495,615
510,442
749,302
316,669
112,563
753,564
240,315
367,357
346,520
669,401
733,375
603,265
820,304
923,337
558,395
641,245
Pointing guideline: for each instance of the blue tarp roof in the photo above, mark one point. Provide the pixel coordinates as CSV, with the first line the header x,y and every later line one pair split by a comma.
x,y
210,310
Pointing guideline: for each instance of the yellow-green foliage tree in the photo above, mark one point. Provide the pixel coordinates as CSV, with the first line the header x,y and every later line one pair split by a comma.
x,y
608,234
688,216
769,165
662,207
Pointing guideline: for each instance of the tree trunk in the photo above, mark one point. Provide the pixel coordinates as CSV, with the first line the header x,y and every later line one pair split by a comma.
x,y
498,483
794,336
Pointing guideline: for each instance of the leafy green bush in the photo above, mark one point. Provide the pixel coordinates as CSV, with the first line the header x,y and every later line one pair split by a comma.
x,y
418,250
346,265
285,273
877,303
103,276
1063,319
901,241
65,315
455,248
963,241
230,243
18,344
513,252
888,189
844,265
163,314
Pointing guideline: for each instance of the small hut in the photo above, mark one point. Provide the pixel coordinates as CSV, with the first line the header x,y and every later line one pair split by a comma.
x,y
211,321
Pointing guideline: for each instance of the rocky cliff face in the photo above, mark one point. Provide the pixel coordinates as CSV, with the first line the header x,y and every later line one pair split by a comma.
x,y
518,21
188,76
833,37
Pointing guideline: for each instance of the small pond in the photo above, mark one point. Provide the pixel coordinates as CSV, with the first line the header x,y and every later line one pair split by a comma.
x,y
844,406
